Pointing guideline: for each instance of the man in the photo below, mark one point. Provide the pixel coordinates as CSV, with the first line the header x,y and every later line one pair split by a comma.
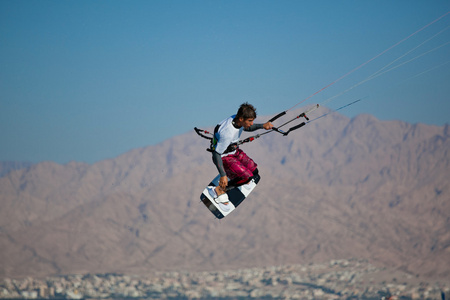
x,y
231,161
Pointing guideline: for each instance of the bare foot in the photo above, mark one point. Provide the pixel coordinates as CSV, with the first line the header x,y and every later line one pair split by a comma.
x,y
220,191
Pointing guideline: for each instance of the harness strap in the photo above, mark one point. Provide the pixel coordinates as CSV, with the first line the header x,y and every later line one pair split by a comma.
x,y
232,147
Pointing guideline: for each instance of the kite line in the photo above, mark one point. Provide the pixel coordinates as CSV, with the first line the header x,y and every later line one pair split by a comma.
x,y
368,61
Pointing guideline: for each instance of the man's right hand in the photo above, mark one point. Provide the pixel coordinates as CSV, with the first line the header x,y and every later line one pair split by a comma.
x,y
223,182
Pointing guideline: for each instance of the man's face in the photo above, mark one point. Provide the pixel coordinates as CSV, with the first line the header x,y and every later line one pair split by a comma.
x,y
246,123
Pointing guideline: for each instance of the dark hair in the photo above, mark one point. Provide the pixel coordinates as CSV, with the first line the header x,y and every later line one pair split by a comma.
x,y
246,111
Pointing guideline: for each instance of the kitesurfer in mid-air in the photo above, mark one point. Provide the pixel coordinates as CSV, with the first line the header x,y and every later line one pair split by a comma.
x,y
232,162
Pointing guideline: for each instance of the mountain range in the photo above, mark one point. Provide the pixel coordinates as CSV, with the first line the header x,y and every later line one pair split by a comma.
x,y
8,166
337,188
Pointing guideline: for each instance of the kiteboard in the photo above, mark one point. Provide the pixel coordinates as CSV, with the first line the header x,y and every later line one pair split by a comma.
x,y
236,194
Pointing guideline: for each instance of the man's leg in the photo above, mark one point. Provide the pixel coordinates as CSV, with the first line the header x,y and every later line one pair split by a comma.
x,y
239,167
241,181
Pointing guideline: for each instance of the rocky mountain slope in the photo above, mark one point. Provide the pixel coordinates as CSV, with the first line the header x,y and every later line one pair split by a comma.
x,y
8,166
337,188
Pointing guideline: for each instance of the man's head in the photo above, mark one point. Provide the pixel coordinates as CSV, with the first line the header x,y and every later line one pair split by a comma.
x,y
245,115
246,111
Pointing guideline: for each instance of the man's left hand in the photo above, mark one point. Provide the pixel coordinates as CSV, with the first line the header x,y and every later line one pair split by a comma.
x,y
267,126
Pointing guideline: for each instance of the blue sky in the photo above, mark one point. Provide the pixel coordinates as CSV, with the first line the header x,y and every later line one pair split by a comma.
x,y
90,80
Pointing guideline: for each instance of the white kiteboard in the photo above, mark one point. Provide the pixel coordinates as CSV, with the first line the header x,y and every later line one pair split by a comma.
x,y
236,195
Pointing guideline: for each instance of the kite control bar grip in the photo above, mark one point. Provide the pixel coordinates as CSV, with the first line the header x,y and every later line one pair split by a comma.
x,y
198,130
279,130
295,127
200,133
285,133
277,116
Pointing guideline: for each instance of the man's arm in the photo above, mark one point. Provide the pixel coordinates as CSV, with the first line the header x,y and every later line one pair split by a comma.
x,y
217,159
223,181
254,127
